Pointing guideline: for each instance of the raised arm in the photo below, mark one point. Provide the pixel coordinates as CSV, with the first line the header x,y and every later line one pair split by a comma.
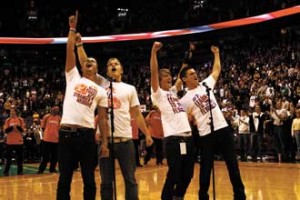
x,y
154,66
187,57
217,63
70,56
82,56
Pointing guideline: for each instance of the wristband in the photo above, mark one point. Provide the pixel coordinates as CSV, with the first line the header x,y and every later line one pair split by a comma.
x,y
72,30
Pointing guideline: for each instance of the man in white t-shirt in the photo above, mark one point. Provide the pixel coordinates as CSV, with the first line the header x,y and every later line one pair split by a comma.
x,y
125,104
77,131
177,131
196,103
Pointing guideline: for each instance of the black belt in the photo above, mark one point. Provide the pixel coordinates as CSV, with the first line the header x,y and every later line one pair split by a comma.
x,y
76,132
178,138
75,129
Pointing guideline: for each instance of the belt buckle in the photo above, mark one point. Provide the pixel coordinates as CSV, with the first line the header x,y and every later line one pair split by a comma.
x,y
73,129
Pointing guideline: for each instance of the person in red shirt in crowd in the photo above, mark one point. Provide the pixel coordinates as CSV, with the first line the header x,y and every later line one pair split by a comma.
x,y
50,125
153,120
136,141
14,127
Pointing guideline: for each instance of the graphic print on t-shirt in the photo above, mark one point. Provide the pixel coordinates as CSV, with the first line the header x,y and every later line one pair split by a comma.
x,y
116,101
85,94
175,104
202,103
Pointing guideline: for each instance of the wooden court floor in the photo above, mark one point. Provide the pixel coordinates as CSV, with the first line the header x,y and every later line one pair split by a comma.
x,y
263,181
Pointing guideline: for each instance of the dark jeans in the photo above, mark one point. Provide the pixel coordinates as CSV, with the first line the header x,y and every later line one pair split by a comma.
x,y
74,147
19,155
124,152
158,144
279,139
256,145
221,139
136,143
181,167
244,146
49,154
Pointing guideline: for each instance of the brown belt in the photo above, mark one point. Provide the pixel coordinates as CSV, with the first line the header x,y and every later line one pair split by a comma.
x,y
119,139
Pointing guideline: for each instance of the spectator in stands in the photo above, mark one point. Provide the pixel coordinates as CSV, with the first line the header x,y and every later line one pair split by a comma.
x,y
257,126
50,125
242,122
154,123
296,132
14,128
278,114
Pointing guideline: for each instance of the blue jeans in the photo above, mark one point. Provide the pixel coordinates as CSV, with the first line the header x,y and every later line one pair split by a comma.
x,y
124,152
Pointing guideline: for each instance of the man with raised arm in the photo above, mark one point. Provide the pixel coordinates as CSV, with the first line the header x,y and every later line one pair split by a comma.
x,y
177,131
196,103
125,105
77,131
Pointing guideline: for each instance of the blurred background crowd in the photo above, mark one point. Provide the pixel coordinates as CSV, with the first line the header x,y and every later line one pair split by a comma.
x,y
260,62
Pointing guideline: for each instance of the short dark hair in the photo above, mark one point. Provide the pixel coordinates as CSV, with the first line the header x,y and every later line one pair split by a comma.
x,y
184,70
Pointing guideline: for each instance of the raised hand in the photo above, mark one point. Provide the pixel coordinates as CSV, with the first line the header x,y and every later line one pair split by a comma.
x,y
192,46
214,49
157,46
78,38
73,20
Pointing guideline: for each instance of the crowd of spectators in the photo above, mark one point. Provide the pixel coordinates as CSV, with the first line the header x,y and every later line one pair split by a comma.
x,y
255,68
34,18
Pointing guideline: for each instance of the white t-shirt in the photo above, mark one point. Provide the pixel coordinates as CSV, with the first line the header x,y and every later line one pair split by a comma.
x,y
173,116
124,97
196,103
81,100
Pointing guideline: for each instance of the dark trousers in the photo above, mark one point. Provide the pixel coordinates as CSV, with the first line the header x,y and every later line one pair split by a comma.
x,y
244,146
279,139
181,167
158,145
256,145
49,154
19,156
124,152
223,140
74,147
136,143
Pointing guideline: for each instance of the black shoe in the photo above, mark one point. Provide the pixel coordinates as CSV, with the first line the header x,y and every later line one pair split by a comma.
x,y
146,162
53,171
20,173
5,174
